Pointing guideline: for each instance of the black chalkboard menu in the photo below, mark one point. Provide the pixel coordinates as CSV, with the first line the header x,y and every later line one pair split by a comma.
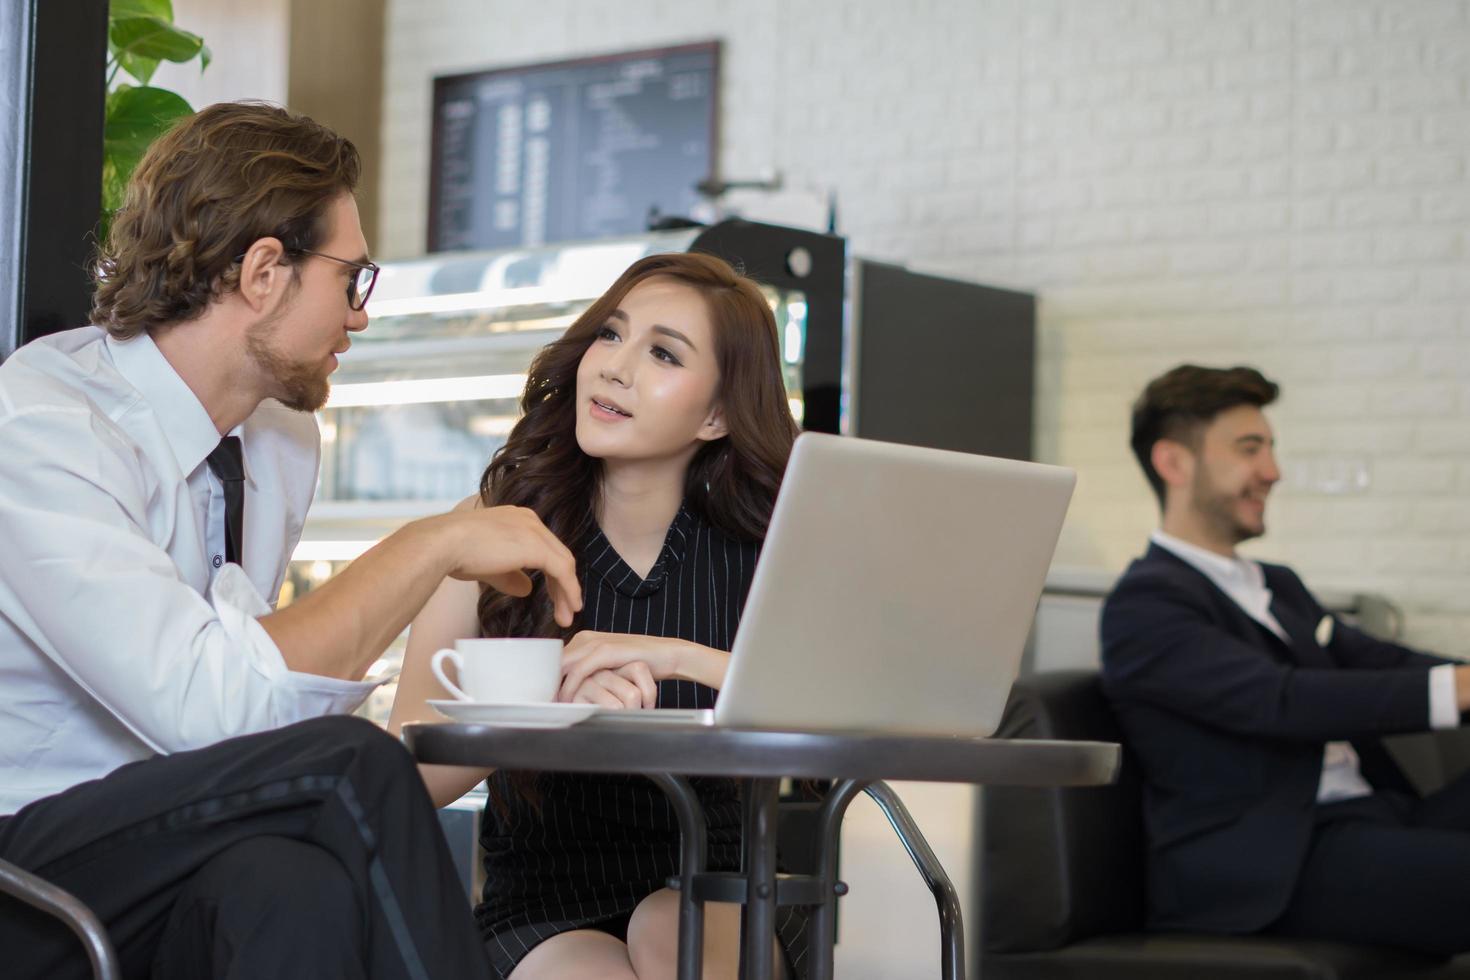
x,y
571,150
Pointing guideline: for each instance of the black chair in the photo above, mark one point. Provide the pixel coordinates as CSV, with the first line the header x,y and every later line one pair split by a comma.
x,y
1062,875
28,888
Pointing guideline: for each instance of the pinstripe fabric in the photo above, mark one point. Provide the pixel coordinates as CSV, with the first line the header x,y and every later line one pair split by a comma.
x,y
601,844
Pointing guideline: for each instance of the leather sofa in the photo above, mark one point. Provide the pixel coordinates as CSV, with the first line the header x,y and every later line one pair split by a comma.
x,y
1061,882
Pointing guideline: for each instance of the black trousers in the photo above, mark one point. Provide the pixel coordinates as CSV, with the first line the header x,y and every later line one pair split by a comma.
x,y
1388,870
311,851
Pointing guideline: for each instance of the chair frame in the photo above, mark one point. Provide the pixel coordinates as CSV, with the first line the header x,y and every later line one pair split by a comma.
x,y
41,894
951,922
947,900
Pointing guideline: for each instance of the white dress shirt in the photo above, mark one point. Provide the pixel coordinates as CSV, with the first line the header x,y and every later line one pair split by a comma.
x,y
123,633
1245,583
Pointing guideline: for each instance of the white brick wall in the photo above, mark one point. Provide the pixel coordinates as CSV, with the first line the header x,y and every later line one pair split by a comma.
x,y
1278,182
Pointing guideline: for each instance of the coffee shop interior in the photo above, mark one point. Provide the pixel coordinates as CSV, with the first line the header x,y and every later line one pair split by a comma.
x,y
982,225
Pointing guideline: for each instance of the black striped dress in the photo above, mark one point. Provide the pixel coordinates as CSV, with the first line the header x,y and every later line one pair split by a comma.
x,y
599,845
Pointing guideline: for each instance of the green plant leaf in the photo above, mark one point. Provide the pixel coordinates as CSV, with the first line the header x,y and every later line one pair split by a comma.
x,y
153,37
205,57
135,118
120,9
139,67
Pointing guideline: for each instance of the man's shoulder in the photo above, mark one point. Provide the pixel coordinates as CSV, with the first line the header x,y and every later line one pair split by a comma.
x,y
1157,590
60,392
63,371
1156,581
62,412
1157,569
65,341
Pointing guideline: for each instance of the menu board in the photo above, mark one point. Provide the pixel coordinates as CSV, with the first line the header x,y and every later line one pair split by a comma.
x,y
571,150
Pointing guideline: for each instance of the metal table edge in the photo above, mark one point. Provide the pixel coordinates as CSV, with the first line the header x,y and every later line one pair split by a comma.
x,y
1042,762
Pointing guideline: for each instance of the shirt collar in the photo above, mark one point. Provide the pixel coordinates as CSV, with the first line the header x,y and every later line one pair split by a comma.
x,y
1215,567
676,543
604,562
185,421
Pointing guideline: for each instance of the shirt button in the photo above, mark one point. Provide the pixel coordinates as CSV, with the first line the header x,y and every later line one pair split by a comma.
x,y
218,561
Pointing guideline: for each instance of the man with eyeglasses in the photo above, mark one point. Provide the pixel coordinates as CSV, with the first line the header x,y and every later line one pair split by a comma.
x,y
173,750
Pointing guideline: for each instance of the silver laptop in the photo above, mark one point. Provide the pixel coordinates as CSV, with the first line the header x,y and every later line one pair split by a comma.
x,y
894,592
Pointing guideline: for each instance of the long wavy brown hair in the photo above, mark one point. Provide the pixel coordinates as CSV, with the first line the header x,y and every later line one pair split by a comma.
x,y
731,482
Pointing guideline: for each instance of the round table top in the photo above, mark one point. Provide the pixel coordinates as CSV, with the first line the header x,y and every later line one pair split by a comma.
x,y
714,751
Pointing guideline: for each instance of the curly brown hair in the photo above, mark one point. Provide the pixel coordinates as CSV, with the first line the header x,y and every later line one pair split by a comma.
x,y
206,190
731,482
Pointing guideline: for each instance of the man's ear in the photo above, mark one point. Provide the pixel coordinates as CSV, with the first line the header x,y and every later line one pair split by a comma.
x,y
1173,461
714,425
262,272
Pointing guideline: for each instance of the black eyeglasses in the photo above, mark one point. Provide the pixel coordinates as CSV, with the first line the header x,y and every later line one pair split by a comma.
x,y
360,286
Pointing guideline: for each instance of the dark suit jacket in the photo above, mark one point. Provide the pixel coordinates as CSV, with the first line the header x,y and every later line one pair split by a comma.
x,y
1228,725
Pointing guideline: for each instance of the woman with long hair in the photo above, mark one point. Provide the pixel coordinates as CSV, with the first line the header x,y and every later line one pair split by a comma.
x,y
653,439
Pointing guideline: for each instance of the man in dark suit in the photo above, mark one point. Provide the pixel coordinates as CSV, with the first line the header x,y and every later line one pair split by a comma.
x,y
1255,715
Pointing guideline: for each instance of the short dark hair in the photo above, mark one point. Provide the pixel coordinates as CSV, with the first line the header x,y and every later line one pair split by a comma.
x,y
205,191
1180,403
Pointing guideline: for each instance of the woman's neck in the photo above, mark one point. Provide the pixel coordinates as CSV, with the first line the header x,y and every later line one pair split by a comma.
x,y
639,501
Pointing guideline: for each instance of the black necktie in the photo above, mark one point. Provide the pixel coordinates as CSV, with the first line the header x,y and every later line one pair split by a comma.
x,y
227,463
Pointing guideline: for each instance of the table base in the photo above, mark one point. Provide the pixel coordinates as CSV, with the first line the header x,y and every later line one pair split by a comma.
x,y
758,888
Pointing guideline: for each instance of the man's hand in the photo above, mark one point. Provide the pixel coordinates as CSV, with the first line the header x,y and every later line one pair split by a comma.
x,y
496,545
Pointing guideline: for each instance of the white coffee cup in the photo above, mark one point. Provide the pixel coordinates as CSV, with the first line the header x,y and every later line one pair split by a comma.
x,y
502,671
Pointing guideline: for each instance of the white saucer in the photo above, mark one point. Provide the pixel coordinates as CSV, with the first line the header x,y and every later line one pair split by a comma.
x,y
552,714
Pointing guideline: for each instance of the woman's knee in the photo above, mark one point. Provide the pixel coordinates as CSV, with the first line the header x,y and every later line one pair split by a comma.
x,y
584,954
653,939
653,935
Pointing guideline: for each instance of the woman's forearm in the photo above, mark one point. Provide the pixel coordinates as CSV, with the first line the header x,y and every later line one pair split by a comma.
x,y
702,664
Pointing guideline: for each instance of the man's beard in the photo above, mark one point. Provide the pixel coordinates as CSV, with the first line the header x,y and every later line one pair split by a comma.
x,y
298,386
1217,510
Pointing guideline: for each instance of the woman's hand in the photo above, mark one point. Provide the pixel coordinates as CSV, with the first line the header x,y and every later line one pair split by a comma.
x,y
663,657
631,686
